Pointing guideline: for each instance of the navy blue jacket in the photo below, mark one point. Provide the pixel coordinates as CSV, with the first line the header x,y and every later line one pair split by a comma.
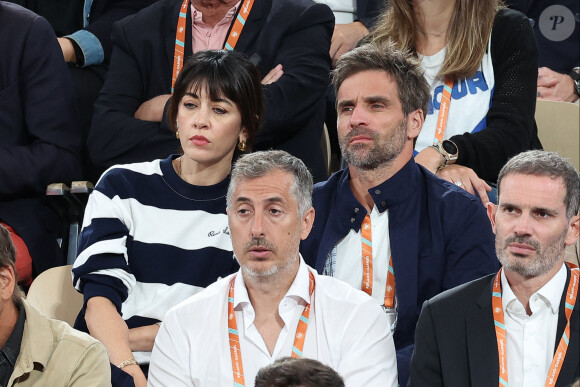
x,y
440,237
294,33
39,143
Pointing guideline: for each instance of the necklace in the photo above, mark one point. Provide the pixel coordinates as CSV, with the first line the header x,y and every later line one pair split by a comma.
x,y
437,34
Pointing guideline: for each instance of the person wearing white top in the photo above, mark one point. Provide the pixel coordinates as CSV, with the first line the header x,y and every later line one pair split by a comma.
x,y
277,305
521,325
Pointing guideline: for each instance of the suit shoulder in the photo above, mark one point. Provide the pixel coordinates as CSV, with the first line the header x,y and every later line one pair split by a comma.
x,y
465,293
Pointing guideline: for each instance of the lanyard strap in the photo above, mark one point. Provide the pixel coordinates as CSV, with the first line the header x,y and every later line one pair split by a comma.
x,y
499,321
367,263
443,110
235,348
231,40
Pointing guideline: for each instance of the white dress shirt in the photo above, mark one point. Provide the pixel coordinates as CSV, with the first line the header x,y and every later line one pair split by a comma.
x,y
348,260
347,331
531,340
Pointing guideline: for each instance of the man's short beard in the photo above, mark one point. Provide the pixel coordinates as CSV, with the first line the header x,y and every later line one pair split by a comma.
x,y
546,256
272,272
380,153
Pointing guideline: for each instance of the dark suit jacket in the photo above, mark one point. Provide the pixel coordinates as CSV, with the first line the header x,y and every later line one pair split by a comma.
x,y
39,143
105,12
295,33
455,342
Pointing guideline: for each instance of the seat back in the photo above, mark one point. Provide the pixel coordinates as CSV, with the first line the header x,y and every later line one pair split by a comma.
x,y
52,293
559,128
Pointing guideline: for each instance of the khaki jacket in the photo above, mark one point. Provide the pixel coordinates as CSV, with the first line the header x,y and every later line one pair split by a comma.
x,y
54,354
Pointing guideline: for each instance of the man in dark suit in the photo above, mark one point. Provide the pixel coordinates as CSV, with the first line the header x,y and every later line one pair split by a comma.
x,y
39,143
129,124
517,325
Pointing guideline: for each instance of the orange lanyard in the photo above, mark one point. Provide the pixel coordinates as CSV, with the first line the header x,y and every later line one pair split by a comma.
x,y
235,347
231,41
443,111
367,262
500,332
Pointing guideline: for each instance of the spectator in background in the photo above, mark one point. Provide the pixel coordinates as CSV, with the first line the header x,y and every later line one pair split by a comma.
x,y
35,350
156,233
481,62
39,141
384,224
280,36
557,28
293,372
84,31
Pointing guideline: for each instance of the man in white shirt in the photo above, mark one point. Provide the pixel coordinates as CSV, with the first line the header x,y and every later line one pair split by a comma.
x,y
520,325
277,305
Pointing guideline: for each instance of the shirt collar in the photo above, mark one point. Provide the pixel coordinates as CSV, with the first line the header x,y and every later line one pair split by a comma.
x,y
11,348
300,287
390,193
197,15
551,292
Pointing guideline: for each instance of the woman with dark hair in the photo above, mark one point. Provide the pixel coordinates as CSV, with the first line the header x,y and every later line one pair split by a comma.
x,y
156,233
481,61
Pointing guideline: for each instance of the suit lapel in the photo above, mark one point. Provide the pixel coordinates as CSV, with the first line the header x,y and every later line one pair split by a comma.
x,y
481,342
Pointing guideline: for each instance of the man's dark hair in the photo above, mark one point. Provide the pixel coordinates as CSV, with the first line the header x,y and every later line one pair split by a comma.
x,y
224,74
8,258
549,164
292,372
403,67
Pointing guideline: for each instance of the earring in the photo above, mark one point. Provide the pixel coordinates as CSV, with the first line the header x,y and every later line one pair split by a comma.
x,y
242,145
177,134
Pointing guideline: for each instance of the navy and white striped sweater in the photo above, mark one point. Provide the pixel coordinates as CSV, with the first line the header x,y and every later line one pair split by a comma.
x,y
150,240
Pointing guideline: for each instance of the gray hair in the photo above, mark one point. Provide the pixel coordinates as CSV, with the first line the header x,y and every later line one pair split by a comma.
x,y
550,164
405,68
258,164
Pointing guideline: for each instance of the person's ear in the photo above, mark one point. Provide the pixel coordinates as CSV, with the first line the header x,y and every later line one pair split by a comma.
x,y
307,222
573,230
414,123
491,211
7,282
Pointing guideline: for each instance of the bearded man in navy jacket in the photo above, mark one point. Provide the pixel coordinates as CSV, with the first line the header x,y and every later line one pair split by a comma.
x,y
385,224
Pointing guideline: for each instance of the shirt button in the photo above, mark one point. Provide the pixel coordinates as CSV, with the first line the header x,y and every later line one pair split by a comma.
x,y
352,220
383,203
378,191
208,34
356,210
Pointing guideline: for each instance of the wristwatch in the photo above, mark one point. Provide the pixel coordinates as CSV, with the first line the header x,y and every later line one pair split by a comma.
x,y
575,75
448,150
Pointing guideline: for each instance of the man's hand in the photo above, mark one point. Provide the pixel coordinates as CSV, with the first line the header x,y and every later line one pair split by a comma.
x,y
465,178
152,110
274,74
345,37
555,86
68,50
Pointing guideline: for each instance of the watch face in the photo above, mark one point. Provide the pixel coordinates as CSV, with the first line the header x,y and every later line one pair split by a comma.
x,y
449,147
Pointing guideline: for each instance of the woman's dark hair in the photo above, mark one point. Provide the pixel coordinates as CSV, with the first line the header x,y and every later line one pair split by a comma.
x,y
224,74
